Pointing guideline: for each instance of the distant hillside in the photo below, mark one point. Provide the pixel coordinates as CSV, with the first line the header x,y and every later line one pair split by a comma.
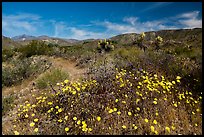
x,y
7,42
25,39
187,35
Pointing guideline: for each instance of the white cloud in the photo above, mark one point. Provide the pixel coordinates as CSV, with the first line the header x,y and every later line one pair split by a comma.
x,y
120,28
193,14
191,23
82,34
20,23
62,30
59,28
130,20
190,20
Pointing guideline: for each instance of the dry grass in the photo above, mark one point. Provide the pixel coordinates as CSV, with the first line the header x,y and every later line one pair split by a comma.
x,y
135,102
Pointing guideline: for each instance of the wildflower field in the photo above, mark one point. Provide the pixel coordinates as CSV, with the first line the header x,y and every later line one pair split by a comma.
x,y
125,91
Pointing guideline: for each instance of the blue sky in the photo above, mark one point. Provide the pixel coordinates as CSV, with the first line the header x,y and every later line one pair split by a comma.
x,y
84,20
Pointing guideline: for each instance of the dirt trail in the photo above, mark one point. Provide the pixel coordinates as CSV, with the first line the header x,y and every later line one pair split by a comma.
x,y
66,65
69,67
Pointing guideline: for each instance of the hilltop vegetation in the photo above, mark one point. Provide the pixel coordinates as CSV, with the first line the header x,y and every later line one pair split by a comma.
x,y
125,90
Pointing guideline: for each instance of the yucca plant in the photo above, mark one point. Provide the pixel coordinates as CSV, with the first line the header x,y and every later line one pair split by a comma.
x,y
158,42
105,45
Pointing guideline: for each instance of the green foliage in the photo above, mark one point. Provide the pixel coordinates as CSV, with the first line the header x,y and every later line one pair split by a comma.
x,y
7,53
35,48
105,46
51,77
18,70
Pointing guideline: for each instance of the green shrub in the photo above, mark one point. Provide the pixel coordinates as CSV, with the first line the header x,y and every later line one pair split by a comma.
x,y
51,77
7,104
7,53
18,70
35,48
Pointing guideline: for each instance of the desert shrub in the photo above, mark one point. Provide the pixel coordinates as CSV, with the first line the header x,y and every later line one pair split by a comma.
x,y
51,77
7,103
19,70
7,53
162,62
35,48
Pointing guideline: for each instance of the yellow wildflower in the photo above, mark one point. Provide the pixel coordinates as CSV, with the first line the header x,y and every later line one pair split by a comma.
x,y
36,120
49,103
60,120
178,77
98,118
178,80
152,128
173,127
196,124
26,115
66,81
32,124
66,129
124,102
135,127
74,92
155,102
110,111
78,122
60,110
129,113
36,129
115,109
137,100
124,127
84,122
16,132
168,129
75,118
119,112
138,108
146,120
66,117
90,129
155,122
116,100
156,132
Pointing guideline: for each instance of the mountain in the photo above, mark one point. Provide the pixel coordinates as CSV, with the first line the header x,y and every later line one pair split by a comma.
x,y
7,42
23,37
71,40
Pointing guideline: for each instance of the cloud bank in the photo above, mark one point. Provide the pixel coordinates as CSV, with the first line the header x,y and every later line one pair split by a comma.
x,y
31,24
